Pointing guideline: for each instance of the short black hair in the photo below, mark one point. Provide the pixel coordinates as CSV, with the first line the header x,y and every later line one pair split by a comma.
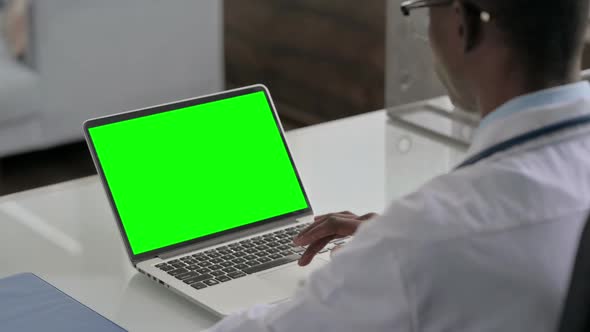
x,y
546,34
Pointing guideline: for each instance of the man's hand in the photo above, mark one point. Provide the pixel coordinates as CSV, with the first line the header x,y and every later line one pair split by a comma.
x,y
325,229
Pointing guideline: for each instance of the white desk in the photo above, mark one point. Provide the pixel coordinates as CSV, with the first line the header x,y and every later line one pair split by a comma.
x,y
67,235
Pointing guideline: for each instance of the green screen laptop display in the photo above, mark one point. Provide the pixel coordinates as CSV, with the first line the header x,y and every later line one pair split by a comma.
x,y
184,174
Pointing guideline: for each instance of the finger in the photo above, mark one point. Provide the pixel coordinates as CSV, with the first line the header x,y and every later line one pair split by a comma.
x,y
312,250
346,213
304,237
317,222
334,226
368,216
337,226
308,228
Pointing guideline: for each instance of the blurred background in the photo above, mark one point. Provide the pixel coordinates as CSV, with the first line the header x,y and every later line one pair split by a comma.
x,y
65,61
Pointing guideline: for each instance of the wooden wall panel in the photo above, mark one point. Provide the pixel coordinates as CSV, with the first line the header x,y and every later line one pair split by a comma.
x,y
323,59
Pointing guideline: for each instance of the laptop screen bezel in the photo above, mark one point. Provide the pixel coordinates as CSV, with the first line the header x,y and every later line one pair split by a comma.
x,y
172,107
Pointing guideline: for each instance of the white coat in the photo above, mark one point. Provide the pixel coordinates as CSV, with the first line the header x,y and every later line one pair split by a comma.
x,y
488,247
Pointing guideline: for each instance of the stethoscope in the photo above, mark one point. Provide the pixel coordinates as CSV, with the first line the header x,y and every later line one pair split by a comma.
x,y
525,138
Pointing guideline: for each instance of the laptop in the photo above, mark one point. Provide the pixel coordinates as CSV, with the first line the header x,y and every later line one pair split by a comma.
x,y
207,197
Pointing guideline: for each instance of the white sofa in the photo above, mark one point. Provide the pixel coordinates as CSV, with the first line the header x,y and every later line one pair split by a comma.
x,y
95,57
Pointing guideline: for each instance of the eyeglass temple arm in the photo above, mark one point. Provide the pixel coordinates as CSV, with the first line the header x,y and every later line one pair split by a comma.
x,y
406,6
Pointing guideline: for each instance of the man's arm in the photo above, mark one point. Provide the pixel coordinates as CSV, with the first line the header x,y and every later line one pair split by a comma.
x,y
360,290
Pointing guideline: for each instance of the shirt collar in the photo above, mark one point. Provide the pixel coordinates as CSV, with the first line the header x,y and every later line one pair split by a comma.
x,y
531,112
538,99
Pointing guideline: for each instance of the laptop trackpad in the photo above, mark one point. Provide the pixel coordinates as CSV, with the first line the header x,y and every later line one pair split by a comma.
x,y
290,277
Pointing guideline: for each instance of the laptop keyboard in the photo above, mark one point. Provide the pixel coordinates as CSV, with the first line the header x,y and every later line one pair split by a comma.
x,y
237,260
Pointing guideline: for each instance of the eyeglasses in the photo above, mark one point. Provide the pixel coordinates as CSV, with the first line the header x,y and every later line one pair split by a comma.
x,y
408,6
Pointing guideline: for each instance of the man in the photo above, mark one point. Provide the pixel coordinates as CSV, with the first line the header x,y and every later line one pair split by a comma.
x,y
489,246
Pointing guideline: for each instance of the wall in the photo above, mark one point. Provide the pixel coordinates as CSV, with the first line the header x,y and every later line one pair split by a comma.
x,y
322,60
409,74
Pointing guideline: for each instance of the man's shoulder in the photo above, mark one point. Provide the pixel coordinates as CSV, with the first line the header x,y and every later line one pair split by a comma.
x,y
484,198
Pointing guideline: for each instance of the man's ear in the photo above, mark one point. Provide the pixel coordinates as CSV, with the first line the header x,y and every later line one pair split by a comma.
x,y
459,17
469,24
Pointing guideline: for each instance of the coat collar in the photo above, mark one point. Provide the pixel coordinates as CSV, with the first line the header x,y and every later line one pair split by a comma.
x,y
531,116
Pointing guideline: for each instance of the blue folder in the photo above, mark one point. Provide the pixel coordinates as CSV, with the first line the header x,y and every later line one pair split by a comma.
x,y
28,303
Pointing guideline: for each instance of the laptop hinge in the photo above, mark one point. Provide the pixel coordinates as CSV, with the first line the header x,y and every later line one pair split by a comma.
x,y
229,237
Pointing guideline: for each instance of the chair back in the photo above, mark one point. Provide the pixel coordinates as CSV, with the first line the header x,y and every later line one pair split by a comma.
x,y
575,316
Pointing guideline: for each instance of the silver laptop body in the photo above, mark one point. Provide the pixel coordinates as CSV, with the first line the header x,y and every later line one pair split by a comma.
x,y
232,270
